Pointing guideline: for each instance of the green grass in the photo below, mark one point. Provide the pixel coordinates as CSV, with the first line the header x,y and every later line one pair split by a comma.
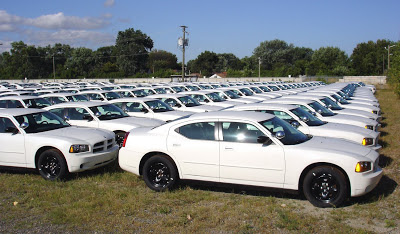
x,y
110,200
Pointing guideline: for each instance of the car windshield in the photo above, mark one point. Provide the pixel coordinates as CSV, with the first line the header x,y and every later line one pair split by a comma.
x,y
312,120
246,92
321,109
41,122
161,90
231,94
177,89
192,88
215,97
256,90
340,99
139,93
274,88
77,98
37,103
158,106
189,101
108,112
111,95
264,89
333,105
292,135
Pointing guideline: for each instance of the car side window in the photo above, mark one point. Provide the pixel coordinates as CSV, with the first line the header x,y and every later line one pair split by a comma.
x,y
95,96
58,111
134,107
170,101
5,125
57,100
198,131
14,104
240,132
3,103
77,113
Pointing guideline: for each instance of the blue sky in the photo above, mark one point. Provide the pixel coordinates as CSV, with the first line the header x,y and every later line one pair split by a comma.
x,y
221,26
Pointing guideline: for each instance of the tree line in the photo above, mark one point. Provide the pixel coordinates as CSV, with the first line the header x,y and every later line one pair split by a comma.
x,y
133,56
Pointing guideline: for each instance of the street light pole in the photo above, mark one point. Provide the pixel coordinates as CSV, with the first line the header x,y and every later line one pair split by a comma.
x,y
388,49
183,51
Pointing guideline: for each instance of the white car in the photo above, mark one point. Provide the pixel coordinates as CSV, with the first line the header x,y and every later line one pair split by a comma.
x,y
23,102
210,97
250,148
148,108
309,124
101,115
35,138
55,98
325,114
183,102
100,95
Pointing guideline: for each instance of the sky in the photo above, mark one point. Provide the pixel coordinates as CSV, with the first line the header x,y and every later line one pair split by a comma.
x,y
220,26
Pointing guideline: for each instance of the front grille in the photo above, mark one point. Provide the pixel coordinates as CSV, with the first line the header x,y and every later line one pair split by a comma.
x,y
103,145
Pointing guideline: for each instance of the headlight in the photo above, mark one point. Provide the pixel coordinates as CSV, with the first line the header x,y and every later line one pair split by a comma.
x,y
370,127
375,112
367,141
78,148
363,166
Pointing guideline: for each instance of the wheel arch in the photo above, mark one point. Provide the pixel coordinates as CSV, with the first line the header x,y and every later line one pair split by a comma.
x,y
44,148
314,165
151,154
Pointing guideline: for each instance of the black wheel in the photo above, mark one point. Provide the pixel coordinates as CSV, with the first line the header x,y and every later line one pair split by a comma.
x,y
325,186
52,165
119,138
160,173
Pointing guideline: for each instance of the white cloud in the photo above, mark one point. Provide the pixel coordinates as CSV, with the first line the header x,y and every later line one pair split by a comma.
x,y
6,18
60,21
109,3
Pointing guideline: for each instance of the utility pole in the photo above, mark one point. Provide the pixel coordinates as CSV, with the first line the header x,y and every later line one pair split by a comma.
x,y
388,49
259,69
183,51
54,70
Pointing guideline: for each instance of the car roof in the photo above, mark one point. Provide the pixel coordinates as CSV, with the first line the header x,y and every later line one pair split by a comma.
x,y
77,104
289,101
19,111
234,115
21,97
267,106
133,99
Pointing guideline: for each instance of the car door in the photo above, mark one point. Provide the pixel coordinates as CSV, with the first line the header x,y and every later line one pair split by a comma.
x,y
12,150
245,161
194,147
81,117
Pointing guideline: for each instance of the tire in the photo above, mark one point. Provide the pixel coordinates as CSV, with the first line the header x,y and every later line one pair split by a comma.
x,y
52,165
325,186
160,173
119,138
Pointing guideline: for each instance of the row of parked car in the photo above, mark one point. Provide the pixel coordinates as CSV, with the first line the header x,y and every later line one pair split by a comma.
x,y
321,140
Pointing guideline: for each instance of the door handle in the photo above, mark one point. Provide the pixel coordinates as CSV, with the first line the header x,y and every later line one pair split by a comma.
x,y
228,148
176,145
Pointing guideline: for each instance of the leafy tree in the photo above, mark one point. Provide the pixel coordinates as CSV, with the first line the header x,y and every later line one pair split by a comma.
x,y
228,61
132,48
273,52
368,58
394,71
81,61
328,61
162,60
205,63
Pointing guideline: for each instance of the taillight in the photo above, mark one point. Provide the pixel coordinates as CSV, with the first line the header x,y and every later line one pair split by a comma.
x,y
125,138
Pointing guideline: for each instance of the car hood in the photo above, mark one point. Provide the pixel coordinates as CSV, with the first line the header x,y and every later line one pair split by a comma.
x,y
128,123
350,119
356,112
336,146
204,108
77,134
346,131
171,115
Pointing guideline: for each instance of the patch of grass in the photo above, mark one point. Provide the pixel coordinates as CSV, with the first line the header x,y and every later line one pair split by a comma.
x,y
111,200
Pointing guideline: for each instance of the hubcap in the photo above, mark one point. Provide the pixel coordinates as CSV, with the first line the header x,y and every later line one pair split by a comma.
x,y
159,174
50,166
325,187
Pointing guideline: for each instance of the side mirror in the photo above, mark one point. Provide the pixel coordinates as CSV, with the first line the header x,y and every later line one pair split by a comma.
x,y
329,106
24,125
97,114
144,110
306,119
279,135
66,118
206,100
178,105
295,124
319,111
264,140
125,110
